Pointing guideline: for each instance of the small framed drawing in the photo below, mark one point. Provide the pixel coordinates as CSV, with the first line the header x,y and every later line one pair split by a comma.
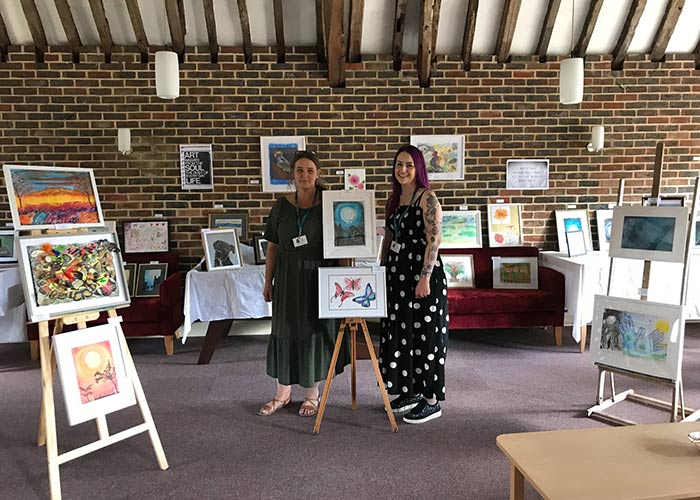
x,y
459,270
352,292
461,229
604,220
130,271
260,249
649,233
527,174
575,243
150,277
348,222
639,336
355,178
7,245
235,220
221,249
69,273
443,154
276,155
46,197
93,373
505,225
515,272
663,201
572,220
146,236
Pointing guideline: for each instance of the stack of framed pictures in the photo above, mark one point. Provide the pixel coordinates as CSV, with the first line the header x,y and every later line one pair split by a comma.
x,y
573,220
505,224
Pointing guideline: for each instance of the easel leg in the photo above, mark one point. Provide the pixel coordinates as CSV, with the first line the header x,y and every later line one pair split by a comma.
x,y
558,335
353,364
674,407
48,414
329,378
601,386
41,436
584,332
215,331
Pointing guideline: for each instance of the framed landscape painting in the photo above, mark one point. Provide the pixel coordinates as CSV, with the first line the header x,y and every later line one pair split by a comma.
x,y
71,273
150,277
7,245
604,219
572,220
93,373
459,270
443,154
515,272
505,225
221,249
649,233
461,229
46,197
348,224
146,236
235,220
640,336
276,155
352,292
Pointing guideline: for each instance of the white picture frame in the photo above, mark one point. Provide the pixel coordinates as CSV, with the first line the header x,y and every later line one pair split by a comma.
x,y
443,154
276,155
505,224
527,174
572,220
604,223
461,229
7,245
515,272
355,178
459,270
93,373
649,233
648,339
575,243
222,249
352,292
65,298
349,224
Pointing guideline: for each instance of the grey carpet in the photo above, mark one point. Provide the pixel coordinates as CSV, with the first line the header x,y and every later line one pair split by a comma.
x,y
498,381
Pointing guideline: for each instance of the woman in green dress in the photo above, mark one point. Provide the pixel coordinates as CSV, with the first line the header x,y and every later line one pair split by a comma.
x,y
301,345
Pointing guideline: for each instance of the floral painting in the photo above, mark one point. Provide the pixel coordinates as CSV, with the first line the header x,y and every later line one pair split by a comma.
x,y
461,229
352,292
146,236
443,154
505,225
355,178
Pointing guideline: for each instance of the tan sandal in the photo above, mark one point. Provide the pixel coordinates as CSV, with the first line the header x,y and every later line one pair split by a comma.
x,y
273,406
309,407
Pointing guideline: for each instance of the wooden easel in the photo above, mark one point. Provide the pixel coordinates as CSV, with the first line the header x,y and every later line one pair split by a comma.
x,y
602,404
353,324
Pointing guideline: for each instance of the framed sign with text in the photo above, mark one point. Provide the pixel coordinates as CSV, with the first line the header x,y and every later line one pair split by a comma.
x,y
196,167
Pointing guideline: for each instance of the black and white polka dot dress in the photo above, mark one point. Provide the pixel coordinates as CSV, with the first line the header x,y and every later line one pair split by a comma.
x,y
413,340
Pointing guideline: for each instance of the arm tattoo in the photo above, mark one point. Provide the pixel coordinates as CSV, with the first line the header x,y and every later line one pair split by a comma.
x,y
432,218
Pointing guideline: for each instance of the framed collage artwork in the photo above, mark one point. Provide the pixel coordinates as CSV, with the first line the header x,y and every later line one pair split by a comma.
x,y
276,155
461,229
93,373
515,272
47,197
221,249
149,279
70,273
348,223
235,220
640,336
7,245
505,224
443,154
573,220
146,236
459,270
604,220
352,292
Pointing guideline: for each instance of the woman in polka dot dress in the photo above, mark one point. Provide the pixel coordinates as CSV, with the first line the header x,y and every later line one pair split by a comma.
x,y
414,335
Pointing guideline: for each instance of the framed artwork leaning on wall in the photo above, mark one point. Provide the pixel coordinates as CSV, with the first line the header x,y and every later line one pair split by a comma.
x,y
150,277
461,229
572,220
515,272
146,236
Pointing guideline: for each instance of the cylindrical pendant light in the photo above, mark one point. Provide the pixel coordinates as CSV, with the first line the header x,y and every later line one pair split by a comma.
x,y
571,80
597,139
167,75
124,141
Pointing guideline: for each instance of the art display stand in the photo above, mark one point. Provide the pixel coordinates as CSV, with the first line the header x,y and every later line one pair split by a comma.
x,y
602,404
353,324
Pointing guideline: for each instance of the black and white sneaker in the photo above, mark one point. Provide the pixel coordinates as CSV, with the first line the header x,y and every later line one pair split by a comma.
x,y
423,412
405,403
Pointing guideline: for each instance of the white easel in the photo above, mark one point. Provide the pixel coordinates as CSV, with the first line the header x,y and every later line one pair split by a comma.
x,y
603,404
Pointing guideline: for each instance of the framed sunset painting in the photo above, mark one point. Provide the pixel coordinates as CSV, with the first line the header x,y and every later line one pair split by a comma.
x,y
47,197
348,224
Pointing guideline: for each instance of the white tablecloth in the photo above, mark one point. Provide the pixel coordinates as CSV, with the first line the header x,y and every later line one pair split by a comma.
x,y
13,317
587,276
228,294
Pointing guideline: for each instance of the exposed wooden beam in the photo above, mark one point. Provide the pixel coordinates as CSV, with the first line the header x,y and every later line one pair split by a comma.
x,y
469,28
399,26
4,40
139,31
245,31
36,29
506,30
588,27
210,19
436,23
177,33
668,24
357,9
320,32
425,42
547,27
69,28
279,31
336,49
627,33
98,14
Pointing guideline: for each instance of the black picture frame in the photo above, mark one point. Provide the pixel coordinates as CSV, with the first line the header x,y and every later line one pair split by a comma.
x,y
150,277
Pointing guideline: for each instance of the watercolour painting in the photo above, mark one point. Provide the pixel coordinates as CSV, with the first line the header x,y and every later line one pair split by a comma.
x,y
355,178
461,229
150,277
7,245
348,222
235,220
515,272
459,270
604,220
352,292
505,225
443,154
572,220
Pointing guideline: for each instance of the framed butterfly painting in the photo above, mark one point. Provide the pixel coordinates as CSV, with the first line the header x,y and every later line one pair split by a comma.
x,y
352,292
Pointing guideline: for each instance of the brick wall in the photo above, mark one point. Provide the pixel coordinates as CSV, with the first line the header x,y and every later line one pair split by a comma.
x,y
59,113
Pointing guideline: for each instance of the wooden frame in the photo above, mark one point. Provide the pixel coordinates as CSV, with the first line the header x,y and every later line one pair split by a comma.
x,y
221,249
146,236
52,197
461,229
349,224
459,270
515,272
572,220
130,274
260,249
443,154
234,220
7,245
352,292
150,277
505,224
276,155
604,223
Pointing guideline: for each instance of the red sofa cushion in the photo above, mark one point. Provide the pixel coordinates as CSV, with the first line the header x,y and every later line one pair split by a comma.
x,y
480,301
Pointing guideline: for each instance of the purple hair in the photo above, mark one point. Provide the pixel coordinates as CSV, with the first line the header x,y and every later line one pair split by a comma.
x,y
421,177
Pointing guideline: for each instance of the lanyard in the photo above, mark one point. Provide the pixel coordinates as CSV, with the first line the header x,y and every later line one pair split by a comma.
x,y
300,221
398,219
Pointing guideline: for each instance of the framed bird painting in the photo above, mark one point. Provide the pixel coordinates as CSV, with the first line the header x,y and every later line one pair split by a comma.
x,y
276,155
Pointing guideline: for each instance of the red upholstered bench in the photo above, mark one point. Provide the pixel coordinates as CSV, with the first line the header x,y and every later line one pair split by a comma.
x,y
484,307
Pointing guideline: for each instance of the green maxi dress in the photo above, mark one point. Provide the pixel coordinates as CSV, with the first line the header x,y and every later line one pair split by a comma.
x,y
301,345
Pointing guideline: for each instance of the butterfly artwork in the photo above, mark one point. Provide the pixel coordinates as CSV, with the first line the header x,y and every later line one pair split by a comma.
x,y
365,287
341,293
367,298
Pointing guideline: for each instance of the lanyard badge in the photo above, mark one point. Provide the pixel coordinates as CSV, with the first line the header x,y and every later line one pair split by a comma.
x,y
301,239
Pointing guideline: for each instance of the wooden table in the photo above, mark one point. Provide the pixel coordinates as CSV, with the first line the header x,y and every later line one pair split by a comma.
x,y
638,462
